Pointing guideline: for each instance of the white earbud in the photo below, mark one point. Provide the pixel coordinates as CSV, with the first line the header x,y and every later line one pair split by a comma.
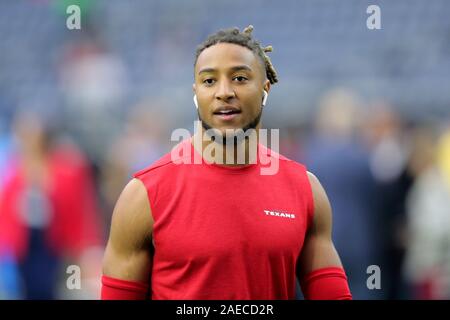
x,y
265,98
195,101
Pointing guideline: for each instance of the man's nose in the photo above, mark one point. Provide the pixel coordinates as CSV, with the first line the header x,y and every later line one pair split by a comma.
x,y
225,91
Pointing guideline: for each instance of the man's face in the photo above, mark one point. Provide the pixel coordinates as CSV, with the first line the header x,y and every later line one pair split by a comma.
x,y
229,84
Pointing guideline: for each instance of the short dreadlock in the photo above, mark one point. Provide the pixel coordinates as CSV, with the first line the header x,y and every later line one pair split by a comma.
x,y
245,39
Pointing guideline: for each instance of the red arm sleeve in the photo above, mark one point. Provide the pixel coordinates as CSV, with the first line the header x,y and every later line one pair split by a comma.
x,y
116,289
326,284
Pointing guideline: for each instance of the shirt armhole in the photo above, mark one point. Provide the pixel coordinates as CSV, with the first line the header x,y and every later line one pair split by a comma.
x,y
139,176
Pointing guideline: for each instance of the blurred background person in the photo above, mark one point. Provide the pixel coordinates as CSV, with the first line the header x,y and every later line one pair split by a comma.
x,y
48,209
93,82
427,264
386,137
335,153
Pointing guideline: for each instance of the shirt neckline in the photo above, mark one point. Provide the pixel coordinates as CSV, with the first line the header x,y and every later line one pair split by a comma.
x,y
238,169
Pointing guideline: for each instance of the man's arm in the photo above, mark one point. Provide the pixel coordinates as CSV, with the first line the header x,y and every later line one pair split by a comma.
x,y
319,269
128,258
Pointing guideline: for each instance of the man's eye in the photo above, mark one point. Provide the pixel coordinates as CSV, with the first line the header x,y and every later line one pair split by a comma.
x,y
240,78
208,81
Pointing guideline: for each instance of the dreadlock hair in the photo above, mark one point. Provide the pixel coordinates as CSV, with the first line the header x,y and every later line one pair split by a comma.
x,y
245,39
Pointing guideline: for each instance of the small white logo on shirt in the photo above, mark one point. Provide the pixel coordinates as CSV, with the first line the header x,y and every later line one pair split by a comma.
x,y
279,214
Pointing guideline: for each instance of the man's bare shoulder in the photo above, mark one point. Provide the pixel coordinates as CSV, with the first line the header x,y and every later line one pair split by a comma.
x,y
322,207
133,197
132,217
314,181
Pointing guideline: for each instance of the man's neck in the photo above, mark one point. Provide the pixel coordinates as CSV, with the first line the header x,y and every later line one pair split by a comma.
x,y
233,153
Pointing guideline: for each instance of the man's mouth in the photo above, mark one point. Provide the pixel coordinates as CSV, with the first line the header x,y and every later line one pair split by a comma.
x,y
226,113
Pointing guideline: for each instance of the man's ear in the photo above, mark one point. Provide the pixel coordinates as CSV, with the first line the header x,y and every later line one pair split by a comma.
x,y
267,85
193,88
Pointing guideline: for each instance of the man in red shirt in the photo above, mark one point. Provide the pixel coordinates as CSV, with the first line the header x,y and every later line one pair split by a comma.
x,y
48,210
184,229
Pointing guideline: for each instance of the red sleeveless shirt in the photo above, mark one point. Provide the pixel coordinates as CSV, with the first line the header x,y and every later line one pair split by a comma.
x,y
226,232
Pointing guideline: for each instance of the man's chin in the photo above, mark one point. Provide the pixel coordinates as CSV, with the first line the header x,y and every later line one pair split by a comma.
x,y
223,133
221,129
227,131
230,131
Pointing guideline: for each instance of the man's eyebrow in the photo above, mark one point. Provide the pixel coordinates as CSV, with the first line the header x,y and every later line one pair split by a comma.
x,y
233,69
242,67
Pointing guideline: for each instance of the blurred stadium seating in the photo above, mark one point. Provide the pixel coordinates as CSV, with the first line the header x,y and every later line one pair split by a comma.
x,y
317,44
